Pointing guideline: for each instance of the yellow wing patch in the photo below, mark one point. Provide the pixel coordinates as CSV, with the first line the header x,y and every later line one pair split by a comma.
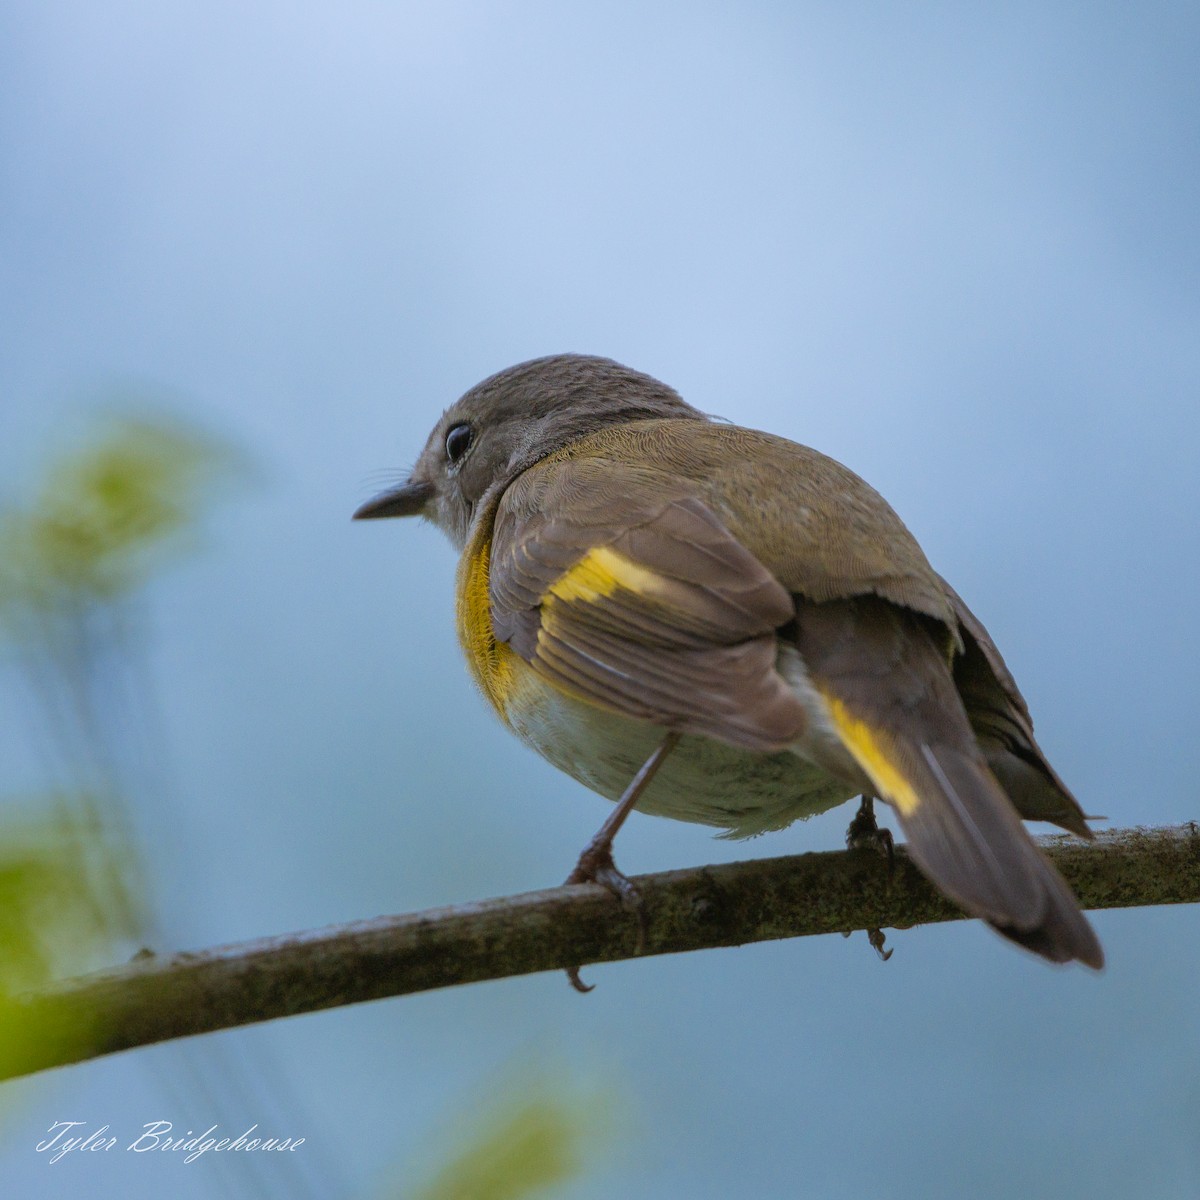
x,y
497,669
860,739
602,572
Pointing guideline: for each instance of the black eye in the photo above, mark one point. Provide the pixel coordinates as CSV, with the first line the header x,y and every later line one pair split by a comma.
x,y
458,442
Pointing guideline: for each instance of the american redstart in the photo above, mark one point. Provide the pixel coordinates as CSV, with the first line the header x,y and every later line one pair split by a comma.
x,y
722,626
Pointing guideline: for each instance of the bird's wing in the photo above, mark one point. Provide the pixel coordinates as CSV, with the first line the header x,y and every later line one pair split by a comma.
x,y
618,584
1004,729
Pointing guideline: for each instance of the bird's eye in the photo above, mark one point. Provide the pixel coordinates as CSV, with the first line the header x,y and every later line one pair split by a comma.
x,y
458,442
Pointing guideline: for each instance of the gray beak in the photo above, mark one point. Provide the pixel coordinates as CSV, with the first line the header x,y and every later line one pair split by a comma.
x,y
408,500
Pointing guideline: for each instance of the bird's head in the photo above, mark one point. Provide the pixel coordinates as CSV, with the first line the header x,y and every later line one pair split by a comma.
x,y
510,421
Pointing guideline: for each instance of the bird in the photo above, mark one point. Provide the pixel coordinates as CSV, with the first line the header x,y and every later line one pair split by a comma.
x,y
722,626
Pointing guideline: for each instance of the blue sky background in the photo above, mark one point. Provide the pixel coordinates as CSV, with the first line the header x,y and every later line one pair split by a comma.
x,y
955,248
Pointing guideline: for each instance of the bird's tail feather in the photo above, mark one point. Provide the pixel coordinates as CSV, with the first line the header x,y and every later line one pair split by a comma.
x,y
966,836
892,700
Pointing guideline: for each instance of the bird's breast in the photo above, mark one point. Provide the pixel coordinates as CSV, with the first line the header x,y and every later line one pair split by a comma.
x,y
742,792
493,665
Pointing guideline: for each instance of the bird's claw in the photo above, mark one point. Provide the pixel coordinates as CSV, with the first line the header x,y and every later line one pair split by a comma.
x,y
864,833
596,865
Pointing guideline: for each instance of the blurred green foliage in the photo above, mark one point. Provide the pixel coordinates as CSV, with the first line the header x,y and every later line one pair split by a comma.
x,y
103,517
535,1135
48,919
50,926
100,521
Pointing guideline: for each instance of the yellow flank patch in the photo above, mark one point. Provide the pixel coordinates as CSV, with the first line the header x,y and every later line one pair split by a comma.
x,y
491,662
600,573
862,742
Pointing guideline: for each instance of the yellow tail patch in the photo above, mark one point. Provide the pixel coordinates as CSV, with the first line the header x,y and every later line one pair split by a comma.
x,y
863,742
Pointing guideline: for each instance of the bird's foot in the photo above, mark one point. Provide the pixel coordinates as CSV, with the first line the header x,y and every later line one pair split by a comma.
x,y
878,940
596,865
864,833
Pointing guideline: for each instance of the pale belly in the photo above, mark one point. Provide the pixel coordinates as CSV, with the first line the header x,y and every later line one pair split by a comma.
x,y
704,781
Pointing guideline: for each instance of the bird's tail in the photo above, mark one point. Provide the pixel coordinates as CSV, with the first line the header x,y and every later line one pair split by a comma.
x,y
892,700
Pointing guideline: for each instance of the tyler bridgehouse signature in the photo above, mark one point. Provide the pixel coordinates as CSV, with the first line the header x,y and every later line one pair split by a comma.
x,y
65,1137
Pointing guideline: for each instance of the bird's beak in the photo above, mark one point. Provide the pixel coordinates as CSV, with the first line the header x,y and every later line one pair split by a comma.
x,y
408,500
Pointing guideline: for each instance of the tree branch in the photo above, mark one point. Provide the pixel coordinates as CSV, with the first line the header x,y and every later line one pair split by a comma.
x,y
156,999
